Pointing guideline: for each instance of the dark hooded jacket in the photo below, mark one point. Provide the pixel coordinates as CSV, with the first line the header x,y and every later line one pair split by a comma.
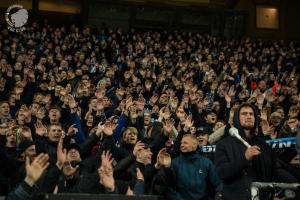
x,y
237,172
192,176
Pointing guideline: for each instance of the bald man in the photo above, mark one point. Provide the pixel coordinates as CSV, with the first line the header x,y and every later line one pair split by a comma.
x,y
193,173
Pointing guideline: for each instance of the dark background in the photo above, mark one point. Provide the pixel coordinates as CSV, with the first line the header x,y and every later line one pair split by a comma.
x,y
228,18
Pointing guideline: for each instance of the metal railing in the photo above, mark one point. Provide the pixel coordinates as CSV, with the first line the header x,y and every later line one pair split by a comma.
x,y
287,188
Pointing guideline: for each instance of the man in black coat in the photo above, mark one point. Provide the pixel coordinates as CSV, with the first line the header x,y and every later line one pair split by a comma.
x,y
238,165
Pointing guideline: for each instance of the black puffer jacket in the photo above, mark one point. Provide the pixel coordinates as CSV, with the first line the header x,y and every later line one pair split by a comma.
x,y
238,173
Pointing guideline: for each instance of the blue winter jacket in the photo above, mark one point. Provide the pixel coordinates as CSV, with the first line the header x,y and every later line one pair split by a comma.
x,y
193,175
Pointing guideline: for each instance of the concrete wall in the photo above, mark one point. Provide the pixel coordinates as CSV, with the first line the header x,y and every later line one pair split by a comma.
x,y
156,17
289,16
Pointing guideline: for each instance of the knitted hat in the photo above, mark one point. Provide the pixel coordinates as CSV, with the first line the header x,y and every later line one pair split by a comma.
x,y
22,146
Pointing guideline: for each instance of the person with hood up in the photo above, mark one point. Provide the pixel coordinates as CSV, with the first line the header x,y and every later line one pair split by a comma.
x,y
239,166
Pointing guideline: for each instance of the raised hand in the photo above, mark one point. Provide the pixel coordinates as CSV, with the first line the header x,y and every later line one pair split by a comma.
x,y
31,74
72,130
263,115
105,171
168,126
229,94
128,103
162,112
268,130
154,99
163,159
137,147
68,170
19,90
167,113
72,103
62,91
270,97
188,123
61,154
40,129
260,99
35,169
9,72
107,128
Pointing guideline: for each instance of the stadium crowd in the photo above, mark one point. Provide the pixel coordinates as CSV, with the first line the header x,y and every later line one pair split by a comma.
x,y
101,111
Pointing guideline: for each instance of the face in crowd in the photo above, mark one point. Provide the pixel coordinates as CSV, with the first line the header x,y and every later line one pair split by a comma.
x,y
189,143
130,135
29,152
54,132
246,118
203,139
211,118
144,156
218,125
73,155
147,118
54,114
11,139
4,109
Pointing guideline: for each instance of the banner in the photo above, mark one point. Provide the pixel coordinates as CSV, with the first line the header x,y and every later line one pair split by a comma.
x,y
281,143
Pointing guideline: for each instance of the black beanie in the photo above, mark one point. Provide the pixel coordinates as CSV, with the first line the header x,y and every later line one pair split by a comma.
x,y
22,146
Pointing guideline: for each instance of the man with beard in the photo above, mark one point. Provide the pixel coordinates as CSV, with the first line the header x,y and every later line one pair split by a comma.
x,y
238,165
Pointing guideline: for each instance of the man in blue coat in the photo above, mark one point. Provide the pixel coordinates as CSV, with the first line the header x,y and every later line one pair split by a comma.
x,y
193,173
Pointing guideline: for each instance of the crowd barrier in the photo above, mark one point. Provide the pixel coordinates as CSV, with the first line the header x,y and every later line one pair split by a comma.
x,y
63,196
287,190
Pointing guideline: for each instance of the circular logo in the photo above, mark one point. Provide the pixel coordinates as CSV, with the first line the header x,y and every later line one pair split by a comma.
x,y
16,17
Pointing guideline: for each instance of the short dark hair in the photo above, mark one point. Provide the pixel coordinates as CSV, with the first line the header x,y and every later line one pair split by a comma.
x,y
55,107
